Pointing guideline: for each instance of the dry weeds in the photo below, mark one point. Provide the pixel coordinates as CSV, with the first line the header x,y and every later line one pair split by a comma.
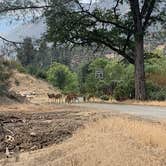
x,y
27,84
148,103
115,141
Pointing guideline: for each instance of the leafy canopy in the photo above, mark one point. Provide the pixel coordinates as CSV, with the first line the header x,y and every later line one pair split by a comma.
x,y
70,21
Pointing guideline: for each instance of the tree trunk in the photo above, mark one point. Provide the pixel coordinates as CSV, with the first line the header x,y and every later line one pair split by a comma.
x,y
139,69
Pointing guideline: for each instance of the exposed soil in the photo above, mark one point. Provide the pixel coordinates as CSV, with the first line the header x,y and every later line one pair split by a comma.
x,y
112,141
35,90
28,131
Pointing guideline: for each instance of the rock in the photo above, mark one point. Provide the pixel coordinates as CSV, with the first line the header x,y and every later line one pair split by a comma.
x,y
33,134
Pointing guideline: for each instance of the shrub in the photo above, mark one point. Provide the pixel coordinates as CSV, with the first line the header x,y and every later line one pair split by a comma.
x,y
4,76
105,97
154,92
20,68
61,76
124,90
120,93
13,64
36,71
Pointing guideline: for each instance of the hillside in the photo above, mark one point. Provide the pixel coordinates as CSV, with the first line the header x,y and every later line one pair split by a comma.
x,y
35,90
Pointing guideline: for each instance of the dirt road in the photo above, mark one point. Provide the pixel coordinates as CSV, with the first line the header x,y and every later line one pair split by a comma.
x,y
150,112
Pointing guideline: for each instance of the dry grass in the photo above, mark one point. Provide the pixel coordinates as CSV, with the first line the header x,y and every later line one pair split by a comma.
x,y
148,103
28,84
116,141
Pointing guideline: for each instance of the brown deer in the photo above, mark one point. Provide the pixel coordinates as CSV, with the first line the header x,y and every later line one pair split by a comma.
x,y
50,97
71,97
58,98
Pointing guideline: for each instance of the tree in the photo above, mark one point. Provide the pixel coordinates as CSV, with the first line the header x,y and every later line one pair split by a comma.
x,y
91,84
60,76
4,77
123,32
26,53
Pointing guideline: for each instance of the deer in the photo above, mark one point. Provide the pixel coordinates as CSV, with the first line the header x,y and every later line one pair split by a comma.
x,y
71,97
58,98
50,96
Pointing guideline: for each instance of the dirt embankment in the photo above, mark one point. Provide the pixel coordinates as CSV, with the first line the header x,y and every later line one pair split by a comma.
x,y
28,87
34,89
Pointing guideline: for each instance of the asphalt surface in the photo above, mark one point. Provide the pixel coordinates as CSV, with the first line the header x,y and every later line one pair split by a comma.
x,y
150,112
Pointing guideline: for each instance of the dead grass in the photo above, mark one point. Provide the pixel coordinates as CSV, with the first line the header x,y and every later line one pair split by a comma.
x,y
116,141
26,84
148,103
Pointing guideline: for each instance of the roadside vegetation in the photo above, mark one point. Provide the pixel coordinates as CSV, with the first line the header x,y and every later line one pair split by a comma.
x,y
115,82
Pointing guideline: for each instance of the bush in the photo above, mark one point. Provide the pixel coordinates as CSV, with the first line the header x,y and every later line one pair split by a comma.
x,y
20,68
124,90
4,76
105,97
161,95
61,76
13,64
120,93
37,72
154,92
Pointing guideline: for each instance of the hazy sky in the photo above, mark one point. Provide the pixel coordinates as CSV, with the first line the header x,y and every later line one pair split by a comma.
x,y
6,25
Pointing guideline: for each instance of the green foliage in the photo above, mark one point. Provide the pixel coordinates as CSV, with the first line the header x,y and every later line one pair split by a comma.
x,y
120,92
114,73
4,76
13,64
154,92
104,97
94,85
156,65
36,71
60,76
83,72
71,22
124,90
26,53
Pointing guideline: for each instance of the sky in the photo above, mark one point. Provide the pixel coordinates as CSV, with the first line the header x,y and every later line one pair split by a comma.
x,y
6,26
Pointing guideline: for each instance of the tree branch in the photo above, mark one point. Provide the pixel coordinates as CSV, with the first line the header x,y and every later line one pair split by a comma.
x,y
149,12
100,40
10,41
100,19
114,8
144,8
16,8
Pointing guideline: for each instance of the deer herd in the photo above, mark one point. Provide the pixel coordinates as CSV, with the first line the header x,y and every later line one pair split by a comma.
x,y
69,98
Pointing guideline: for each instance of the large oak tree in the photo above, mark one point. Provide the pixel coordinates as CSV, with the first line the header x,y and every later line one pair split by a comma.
x,y
121,30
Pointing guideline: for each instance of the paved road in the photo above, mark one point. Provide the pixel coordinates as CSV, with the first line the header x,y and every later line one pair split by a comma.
x,y
150,112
